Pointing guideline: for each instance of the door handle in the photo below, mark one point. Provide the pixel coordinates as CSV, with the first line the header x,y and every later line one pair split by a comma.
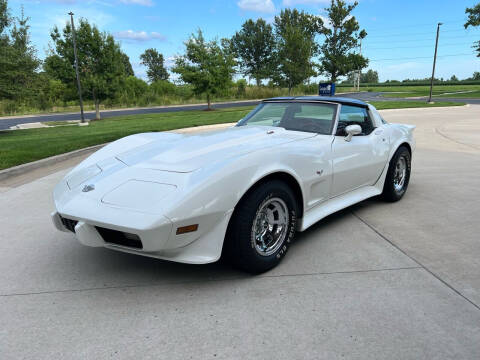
x,y
378,132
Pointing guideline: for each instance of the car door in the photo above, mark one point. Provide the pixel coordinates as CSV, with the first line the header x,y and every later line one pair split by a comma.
x,y
360,161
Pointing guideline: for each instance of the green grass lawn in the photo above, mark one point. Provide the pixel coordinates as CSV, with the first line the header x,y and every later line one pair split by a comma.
x,y
469,95
413,91
22,146
385,105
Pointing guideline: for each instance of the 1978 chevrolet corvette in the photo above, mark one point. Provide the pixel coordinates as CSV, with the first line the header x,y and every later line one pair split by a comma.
x,y
241,193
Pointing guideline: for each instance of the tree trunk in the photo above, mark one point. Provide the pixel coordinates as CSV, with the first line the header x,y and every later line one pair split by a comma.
x,y
97,105
209,102
97,109
258,80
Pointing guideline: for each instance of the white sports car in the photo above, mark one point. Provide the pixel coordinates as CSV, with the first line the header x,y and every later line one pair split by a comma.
x,y
241,193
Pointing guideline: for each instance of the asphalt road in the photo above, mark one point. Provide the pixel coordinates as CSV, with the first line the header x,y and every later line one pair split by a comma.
x,y
377,96
7,122
375,281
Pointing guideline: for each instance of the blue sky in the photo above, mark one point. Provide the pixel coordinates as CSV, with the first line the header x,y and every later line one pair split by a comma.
x,y
400,41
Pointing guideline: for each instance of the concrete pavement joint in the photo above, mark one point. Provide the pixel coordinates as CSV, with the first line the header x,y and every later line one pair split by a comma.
x,y
455,141
416,261
210,280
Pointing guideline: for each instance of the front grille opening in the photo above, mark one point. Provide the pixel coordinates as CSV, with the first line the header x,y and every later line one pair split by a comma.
x,y
120,238
69,224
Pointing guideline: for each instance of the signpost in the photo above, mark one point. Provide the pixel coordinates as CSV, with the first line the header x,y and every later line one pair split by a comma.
x,y
326,89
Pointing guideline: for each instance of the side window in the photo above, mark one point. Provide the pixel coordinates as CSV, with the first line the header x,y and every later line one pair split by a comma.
x,y
354,115
376,116
269,115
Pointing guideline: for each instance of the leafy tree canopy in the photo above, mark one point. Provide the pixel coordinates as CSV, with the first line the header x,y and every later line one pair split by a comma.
x,y
473,16
100,61
18,59
295,36
474,20
342,36
4,16
127,65
370,77
154,62
206,65
254,46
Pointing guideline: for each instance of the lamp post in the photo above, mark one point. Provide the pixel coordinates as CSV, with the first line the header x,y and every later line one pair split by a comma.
x,y
434,62
79,86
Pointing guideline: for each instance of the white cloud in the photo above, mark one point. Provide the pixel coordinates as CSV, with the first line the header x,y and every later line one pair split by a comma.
x,y
95,2
309,2
295,2
138,2
265,6
139,35
170,61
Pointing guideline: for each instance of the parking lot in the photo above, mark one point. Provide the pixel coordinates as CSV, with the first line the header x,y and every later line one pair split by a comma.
x,y
375,281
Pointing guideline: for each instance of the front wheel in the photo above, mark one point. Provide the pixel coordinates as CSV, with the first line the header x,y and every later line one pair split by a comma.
x,y
398,175
262,227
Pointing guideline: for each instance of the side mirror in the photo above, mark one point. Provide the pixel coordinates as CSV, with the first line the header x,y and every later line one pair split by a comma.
x,y
352,130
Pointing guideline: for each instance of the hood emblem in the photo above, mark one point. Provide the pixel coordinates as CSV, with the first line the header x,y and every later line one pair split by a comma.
x,y
88,188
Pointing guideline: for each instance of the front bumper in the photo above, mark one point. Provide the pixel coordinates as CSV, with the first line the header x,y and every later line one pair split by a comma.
x,y
161,241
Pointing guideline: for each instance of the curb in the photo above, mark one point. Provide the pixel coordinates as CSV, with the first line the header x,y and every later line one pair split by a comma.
x,y
22,169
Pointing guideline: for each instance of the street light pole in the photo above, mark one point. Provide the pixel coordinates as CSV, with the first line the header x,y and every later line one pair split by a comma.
x,y
434,62
76,67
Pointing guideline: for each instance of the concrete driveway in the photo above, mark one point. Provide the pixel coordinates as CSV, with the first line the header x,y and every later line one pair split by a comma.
x,y
375,281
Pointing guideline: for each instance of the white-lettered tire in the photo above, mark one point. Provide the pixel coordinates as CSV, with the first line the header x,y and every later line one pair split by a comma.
x,y
398,175
262,227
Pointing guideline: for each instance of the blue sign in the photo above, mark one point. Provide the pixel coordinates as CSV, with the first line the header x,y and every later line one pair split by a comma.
x,y
326,89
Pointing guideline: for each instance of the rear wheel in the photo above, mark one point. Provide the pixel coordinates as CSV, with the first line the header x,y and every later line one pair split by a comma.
x,y
398,175
262,227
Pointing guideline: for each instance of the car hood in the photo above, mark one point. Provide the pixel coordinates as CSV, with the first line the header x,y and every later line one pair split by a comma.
x,y
186,153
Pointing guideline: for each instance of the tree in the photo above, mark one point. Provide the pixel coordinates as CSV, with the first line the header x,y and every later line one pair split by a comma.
x,y
207,66
295,33
4,17
18,60
100,61
127,65
474,20
453,78
342,35
476,75
154,62
254,46
370,77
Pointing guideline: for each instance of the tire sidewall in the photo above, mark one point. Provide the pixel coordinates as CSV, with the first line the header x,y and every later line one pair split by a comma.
x,y
240,247
390,191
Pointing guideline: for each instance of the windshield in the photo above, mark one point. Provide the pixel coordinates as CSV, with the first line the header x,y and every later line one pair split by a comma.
x,y
295,116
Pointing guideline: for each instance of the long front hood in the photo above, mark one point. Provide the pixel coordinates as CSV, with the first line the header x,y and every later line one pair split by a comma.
x,y
186,153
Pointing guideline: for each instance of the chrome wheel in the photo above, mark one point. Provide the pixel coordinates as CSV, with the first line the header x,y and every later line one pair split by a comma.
x,y
270,226
400,174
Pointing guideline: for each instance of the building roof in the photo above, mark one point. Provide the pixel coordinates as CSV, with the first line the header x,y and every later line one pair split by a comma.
x,y
335,99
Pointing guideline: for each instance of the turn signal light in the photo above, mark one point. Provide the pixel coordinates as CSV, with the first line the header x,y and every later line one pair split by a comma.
x,y
187,229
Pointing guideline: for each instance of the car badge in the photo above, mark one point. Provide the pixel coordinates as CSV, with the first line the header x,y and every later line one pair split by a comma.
x,y
88,188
